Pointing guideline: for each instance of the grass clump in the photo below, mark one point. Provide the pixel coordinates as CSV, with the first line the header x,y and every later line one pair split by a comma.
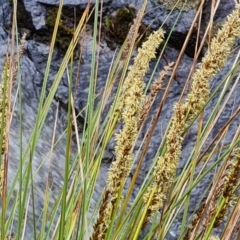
x,y
125,209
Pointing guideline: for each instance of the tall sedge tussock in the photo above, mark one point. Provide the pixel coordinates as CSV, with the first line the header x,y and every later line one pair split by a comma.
x,y
118,218
212,62
225,189
4,102
131,105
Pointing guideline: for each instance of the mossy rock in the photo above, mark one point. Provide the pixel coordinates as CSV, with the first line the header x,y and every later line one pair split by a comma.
x,y
65,28
118,26
65,31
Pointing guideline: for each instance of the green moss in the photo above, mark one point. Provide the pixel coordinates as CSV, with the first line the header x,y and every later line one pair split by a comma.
x,y
65,29
64,34
191,4
126,14
120,24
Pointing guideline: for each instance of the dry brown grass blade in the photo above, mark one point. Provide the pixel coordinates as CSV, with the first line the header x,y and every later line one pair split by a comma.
x,y
194,23
199,46
154,90
232,230
213,141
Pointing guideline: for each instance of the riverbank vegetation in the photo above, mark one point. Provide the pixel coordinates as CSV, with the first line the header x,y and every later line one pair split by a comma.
x,y
164,193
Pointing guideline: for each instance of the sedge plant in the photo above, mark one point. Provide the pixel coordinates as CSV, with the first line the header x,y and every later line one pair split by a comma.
x,y
121,112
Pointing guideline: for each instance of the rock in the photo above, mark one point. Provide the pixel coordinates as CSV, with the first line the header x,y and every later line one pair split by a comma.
x,y
70,3
5,13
